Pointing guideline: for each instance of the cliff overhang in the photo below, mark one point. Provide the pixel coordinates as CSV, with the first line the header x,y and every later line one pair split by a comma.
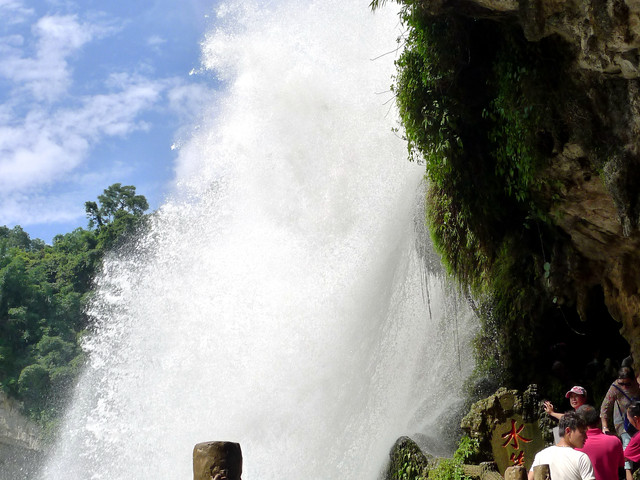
x,y
587,187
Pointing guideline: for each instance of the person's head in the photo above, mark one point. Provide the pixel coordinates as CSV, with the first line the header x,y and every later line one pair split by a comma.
x,y
626,377
577,397
633,414
572,430
590,416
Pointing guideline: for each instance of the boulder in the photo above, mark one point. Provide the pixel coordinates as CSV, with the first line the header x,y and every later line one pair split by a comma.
x,y
506,425
406,458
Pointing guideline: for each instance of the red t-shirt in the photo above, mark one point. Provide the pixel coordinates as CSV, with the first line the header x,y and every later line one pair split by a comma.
x,y
632,452
605,453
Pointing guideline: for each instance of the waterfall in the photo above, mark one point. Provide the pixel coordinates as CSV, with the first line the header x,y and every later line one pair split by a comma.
x,y
279,298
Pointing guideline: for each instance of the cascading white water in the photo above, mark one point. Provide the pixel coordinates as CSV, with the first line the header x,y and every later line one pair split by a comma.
x,y
279,299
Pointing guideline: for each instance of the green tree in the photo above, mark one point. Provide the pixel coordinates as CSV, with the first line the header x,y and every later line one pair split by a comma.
x,y
34,381
115,200
117,215
43,293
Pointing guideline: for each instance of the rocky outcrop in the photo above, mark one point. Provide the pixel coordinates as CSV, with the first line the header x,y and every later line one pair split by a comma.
x,y
20,442
605,33
603,247
507,427
407,455
15,430
592,194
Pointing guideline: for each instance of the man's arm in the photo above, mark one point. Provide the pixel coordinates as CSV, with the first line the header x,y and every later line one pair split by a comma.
x,y
535,463
606,409
586,468
619,453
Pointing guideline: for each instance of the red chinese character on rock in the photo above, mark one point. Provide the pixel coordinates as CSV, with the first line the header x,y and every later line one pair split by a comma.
x,y
514,435
519,459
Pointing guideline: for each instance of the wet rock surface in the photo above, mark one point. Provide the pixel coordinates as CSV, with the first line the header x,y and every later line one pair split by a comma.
x,y
21,447
592,195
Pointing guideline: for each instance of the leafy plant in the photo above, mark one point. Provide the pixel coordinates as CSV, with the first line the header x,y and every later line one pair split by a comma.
x,y
479,106
451,468
408,470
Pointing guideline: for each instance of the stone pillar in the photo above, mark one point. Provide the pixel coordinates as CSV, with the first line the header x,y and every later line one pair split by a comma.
x,y
517,472
541,472
217,461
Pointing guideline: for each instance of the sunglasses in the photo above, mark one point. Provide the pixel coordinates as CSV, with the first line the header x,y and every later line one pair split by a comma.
x,y
624,384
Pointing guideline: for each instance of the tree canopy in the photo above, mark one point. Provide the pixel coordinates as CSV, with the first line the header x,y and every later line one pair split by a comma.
x,y
115,201
116,215
43,293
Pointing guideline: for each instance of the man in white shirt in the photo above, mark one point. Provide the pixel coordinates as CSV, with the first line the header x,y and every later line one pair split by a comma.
x,y
564,462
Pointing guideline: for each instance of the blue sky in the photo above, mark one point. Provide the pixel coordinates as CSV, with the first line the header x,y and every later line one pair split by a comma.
x,y
93,93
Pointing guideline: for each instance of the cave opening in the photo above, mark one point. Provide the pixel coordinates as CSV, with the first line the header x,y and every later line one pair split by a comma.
x,y
585,351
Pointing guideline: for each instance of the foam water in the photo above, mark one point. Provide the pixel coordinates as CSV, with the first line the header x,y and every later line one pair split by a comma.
x,y
279,299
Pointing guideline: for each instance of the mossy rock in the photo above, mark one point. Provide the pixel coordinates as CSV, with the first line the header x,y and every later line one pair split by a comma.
x,y
506,425
407,461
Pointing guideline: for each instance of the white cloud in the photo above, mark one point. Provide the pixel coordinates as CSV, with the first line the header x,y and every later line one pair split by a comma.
x,y
10,42
44,141
14,11
64,201
186,99
155,41
45,146
49,132
46,75
36,208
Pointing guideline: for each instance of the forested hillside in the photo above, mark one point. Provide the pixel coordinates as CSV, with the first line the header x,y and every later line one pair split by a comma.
x,y
43,293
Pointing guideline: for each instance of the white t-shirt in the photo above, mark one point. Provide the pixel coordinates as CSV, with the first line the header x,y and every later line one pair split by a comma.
x,y
565,463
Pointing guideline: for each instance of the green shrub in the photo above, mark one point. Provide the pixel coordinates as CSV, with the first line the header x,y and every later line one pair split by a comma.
x,y
484,109
451,468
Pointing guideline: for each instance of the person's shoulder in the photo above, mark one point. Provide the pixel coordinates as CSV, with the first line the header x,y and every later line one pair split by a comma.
x,y
577,454
546,451
603,438
611,393
612,439
635,440
566,452
541,452
583,459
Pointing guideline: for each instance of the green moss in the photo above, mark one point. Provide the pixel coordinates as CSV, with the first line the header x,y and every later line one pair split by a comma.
x,y
479,106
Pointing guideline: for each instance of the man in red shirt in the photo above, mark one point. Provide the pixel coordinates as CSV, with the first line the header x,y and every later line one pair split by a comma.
x,y
604,451
632,452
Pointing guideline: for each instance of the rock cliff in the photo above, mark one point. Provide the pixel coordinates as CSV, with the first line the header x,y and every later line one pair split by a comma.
x,y
20,442
591,193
